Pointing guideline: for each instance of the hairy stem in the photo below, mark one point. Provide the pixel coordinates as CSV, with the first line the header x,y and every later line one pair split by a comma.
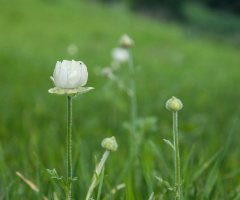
x,y
69,147
177,157
97,173
134,112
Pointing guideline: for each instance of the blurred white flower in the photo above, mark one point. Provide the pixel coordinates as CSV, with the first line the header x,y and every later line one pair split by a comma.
x,y
70,74
72,49
126,41
120,54
106,71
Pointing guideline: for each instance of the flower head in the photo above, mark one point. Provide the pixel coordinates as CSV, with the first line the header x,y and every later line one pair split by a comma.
x,y
174,104
70,74
69,77
120,54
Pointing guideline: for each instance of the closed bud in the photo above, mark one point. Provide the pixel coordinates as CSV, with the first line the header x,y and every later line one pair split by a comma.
x,y
110,144
174,104
126,41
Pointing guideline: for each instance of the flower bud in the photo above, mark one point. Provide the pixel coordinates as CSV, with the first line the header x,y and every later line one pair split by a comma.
x,y
174,104
126,41
110,144
70,74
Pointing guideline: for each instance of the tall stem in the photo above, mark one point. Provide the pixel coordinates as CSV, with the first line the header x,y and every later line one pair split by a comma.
x,y
69,147
133,102
98,171
177,157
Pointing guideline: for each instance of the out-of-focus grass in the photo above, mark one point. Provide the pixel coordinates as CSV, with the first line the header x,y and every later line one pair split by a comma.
x,y
204,74
220,25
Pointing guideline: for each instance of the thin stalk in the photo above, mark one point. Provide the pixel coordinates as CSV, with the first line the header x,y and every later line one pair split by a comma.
x,y
69,148
134,111
97,173
177,157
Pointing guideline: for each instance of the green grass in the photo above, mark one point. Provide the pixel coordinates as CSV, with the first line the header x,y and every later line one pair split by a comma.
x,y
203,73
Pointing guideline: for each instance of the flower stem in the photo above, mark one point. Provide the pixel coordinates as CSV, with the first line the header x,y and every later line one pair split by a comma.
x,y
97,173
134,112
177,157
69,147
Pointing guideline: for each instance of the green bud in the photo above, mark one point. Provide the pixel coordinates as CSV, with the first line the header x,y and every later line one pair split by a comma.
x,y
110,144
174,104
126,41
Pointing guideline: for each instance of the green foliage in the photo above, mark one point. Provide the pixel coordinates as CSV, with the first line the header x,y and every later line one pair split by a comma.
x,y
170,60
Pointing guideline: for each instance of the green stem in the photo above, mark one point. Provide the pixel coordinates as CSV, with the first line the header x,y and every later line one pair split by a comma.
x,y
69,147
134,112
97,173
177,157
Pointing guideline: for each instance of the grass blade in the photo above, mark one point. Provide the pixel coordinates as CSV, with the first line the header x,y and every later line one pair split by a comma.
x,y
100,184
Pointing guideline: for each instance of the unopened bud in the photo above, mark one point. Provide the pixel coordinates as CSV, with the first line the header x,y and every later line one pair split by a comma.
x,y
126,41
110,144
174,104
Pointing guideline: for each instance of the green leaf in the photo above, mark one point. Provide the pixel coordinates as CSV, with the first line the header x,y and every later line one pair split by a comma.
x,y
100,184
205,165
212,178
170,144
54,175
55,196
151,197
98,178
166,184
166,167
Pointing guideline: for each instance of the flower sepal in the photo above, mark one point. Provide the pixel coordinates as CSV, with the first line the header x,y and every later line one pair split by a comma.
x,y
69,91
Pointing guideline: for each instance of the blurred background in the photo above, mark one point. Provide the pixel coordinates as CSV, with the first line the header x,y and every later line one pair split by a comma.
x,y
188,49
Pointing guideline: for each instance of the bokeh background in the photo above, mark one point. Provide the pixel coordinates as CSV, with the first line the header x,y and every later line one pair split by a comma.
x,y
189,49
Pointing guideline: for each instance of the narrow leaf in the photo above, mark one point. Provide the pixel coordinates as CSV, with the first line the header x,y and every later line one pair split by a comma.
x,y
205,165
169,143
212,178
151,197
163,182
100,184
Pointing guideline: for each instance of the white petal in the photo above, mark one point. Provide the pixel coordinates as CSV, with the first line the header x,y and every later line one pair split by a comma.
x,y
84,74
56,73
64,74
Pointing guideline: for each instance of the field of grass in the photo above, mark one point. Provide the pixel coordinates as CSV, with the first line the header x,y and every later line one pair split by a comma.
x,y
169,61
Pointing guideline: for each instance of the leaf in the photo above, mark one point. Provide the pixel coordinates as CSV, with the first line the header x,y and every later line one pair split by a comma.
x,y
29,183
162,158
212,178
55,196
170,144
54,175
166,184
206,165
151,197
100,184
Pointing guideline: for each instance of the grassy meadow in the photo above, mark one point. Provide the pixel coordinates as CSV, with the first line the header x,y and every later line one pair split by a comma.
x,y
170,60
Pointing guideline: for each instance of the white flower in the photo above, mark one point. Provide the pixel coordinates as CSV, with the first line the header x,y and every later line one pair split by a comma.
x,y
120,54
69,77
70,74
